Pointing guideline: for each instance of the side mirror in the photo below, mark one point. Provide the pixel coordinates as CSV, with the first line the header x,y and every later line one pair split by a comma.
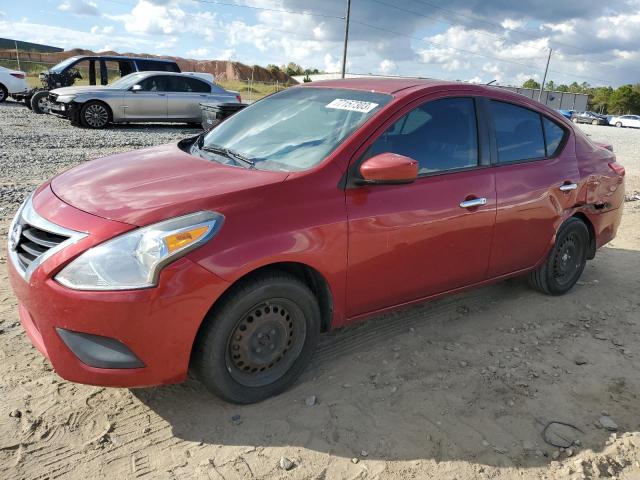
x,y
136,88
388,169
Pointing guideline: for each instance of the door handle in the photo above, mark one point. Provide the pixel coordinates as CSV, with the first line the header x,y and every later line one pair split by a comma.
x,y
567,187
475,202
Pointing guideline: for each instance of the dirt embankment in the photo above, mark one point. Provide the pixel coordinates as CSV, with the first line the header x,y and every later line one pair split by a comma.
x,y
221,69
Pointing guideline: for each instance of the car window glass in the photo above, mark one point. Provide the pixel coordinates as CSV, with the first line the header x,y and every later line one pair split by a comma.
x,y
188,85
440,135
151,66
553,134
156,83
518,132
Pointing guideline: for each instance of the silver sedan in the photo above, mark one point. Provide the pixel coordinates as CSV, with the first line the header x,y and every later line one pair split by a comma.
x,y
139,97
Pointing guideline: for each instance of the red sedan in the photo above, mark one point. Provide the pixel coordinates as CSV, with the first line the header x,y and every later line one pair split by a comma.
x,y
231,252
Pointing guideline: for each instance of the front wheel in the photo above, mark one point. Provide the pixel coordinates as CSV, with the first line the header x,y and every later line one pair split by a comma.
x,y
39,102
566,261
4,93
94,115
258,339
574,120
618,124
595,122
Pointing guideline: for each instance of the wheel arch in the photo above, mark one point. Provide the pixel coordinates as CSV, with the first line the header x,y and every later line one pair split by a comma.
x,y
591,252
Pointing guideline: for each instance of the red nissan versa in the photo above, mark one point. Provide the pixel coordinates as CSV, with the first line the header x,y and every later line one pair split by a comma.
x,y
231,252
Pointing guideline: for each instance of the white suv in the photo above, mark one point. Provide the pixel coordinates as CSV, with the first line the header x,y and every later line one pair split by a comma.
x,y
12,81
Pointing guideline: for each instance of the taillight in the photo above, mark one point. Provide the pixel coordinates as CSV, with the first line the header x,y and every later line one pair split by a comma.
x,y
616,167
239,98
17,75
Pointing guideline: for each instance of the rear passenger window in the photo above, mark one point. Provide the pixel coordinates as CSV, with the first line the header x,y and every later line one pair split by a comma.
x,y
554,134
518,133
440,135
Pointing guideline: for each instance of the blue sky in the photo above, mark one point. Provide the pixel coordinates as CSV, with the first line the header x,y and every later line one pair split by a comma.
x,y
481,40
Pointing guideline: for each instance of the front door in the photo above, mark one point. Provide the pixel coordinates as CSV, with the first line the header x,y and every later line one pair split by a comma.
x,y
411,241
148,103
536,180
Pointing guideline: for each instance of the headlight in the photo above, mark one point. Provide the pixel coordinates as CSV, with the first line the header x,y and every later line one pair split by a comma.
x,y
65,98
134,260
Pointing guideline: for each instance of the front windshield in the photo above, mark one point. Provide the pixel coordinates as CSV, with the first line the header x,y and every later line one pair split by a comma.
x,y
58,68
127,81
292,130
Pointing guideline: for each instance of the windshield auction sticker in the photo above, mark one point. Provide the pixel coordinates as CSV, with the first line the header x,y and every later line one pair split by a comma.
x,y
352,105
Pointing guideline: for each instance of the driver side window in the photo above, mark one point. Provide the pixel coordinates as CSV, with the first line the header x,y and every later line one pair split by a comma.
x,y
440,135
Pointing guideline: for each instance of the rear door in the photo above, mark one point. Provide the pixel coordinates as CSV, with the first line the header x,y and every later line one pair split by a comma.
x,y
411,241
536,181
149,103
185,97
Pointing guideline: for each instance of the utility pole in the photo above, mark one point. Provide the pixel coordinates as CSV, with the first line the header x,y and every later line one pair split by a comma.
x,y
346,39
17,54
544,79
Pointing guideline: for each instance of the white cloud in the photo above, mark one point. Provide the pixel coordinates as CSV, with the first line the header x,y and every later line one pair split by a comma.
x,y
511,24
79,7
388,66
198,53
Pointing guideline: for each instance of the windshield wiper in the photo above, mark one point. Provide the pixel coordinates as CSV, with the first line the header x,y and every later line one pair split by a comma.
x,y
232,154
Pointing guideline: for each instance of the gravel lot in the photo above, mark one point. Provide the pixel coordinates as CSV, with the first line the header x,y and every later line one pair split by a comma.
x,y
457,388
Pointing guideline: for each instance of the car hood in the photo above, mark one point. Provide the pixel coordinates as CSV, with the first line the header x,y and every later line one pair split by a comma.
x,y
152,184
76,90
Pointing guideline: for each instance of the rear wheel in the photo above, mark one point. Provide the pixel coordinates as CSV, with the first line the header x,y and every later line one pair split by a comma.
x,y
94,114
258,340
566,261
618,124
39,101
574,120
4,93
594,122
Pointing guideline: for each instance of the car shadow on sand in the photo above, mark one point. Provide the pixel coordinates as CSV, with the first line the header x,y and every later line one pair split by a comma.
x,y
473,377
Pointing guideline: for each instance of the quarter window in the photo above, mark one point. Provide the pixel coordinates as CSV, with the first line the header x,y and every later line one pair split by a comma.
x,y
518,133
440,135
553,134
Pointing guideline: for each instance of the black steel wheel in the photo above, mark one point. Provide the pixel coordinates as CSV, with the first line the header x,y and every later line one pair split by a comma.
x,y
566,261
4,93
95,114
258,338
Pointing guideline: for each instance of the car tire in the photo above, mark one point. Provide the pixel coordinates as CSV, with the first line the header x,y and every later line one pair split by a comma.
x,y
95,114
38,101
258,339
566,261
619,124
27,102
4,93
574,120
595,122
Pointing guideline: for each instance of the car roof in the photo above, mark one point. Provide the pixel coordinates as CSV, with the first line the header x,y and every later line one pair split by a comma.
x,y
391,86
120,57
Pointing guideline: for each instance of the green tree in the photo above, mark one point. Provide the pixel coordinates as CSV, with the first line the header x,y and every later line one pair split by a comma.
x,y
292,69
562,88
273,68
599,99
531,83
625,99
550,86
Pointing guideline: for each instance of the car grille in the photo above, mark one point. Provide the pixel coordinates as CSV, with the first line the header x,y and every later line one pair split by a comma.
x,y
34,243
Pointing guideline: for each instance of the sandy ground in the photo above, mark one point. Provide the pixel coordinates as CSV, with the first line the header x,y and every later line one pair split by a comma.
x,y
458,388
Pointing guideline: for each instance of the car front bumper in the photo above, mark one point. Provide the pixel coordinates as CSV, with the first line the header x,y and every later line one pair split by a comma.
x,y
128,338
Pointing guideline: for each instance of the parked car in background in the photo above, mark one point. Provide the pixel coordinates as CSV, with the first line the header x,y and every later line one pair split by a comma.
x,y
632,121
230,252
566,113
94,69
589,117
12,82
139,97
214,113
